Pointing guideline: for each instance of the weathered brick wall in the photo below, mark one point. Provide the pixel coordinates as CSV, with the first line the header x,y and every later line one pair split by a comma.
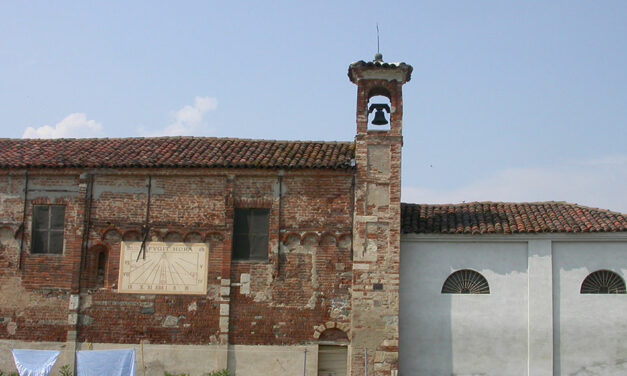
x,y
307,283
34,301
304,284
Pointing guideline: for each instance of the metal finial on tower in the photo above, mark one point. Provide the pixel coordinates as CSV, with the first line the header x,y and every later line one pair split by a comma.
x,y
378,57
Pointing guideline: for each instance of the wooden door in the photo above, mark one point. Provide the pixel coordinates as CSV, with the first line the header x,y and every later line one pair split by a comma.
x,y
332,360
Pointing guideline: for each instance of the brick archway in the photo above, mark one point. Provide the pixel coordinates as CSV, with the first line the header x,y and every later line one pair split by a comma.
x,y
332,329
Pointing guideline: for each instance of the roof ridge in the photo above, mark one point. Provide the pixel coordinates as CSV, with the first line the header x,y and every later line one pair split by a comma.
x,y
489,217
178,151
565,203
174,138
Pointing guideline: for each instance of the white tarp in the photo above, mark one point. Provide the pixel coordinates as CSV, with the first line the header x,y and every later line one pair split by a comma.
x,y
35,362
105,363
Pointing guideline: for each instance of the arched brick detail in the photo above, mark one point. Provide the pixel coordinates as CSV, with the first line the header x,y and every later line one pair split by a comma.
x,y
132,235
156,235
111,236
291,239
192,237
173,237
344,328
310,238
344,241
213,237
328,239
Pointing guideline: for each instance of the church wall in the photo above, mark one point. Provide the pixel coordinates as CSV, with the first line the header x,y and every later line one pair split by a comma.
x,y
560,331
590,329
444,334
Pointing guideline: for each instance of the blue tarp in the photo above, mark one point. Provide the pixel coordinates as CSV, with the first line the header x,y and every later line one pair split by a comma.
x,y
105,363
35,362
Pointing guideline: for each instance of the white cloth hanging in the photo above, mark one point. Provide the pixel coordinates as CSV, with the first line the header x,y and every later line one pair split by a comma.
x,y
35,362
105,363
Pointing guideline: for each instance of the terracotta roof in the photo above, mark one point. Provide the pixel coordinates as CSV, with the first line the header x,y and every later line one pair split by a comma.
x,y
379,65
508,218
174,152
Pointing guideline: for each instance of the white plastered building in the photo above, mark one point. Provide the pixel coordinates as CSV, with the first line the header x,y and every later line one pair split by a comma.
x,y
513,289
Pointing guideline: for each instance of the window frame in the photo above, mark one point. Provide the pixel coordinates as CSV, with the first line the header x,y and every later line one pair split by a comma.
x,y
596,282
48,230
252,232
479,284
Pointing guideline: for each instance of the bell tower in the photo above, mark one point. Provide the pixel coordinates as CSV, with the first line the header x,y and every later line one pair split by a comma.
x,y
377,213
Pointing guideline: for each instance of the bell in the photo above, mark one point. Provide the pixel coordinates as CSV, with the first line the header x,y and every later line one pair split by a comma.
x,y
379,117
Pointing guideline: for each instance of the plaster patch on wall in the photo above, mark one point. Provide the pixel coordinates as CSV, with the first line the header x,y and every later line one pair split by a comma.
x,y
314,270
378,159
11,328
376,237
261,283
52,192
99,189
7,239
213,292
14,296
311,303
378,195
85,302
170,322
244,280
339,308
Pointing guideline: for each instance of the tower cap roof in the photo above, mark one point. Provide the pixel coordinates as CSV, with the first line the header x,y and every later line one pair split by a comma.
x,y
379,69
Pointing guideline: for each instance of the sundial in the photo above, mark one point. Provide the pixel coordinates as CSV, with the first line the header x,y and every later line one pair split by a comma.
x,y
168,268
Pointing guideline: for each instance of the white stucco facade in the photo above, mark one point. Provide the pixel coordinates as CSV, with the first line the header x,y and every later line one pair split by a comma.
x,y
533,322
590,330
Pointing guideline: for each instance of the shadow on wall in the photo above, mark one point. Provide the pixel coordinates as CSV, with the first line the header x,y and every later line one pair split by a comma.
x,y
417,313
588,329
445,334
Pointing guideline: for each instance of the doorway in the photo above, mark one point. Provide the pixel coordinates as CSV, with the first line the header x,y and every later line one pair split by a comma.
x,y
332,360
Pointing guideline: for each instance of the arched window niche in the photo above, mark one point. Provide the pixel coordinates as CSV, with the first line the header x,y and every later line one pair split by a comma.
x,y
603,282
466,281
97,266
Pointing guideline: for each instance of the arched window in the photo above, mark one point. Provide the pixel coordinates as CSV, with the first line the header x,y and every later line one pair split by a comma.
x,y
603,282
465,281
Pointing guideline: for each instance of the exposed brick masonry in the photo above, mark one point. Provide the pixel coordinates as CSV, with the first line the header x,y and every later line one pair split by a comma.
x,y
305,282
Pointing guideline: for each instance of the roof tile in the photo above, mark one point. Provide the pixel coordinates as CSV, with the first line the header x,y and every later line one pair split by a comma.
x,y
174,152
508,218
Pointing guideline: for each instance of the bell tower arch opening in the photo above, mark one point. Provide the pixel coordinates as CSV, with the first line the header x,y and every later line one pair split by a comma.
x,y
379,108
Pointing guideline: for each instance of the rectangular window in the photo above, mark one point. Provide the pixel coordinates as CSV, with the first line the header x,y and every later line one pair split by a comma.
x,y
250,234
48,223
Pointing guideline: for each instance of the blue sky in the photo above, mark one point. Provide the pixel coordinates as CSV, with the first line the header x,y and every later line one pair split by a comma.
x,y
509,101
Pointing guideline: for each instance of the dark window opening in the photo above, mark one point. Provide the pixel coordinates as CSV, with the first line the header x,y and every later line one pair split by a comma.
x,y
250,234
100,273
603,282
48,229
466,281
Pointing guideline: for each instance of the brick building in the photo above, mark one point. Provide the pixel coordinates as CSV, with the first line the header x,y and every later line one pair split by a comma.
x,y
280,257
297,246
